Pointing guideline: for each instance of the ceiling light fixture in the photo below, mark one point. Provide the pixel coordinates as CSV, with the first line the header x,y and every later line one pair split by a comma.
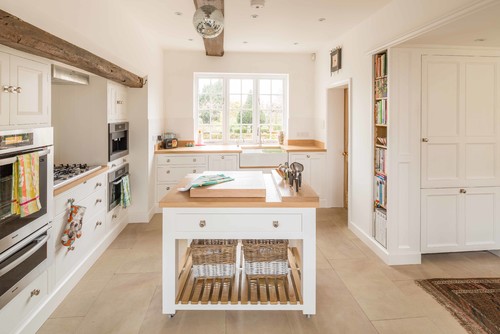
x,y
257,4
208,21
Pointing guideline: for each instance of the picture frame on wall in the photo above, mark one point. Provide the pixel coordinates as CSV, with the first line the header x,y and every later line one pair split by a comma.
x,y
335,60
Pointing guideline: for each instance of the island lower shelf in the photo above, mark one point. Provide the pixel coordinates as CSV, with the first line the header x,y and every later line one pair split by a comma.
x,y
240,290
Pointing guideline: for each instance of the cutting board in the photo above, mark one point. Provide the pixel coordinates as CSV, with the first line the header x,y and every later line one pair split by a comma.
x,y
245,184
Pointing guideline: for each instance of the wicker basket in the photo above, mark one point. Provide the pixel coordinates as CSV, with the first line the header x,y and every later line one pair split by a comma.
x,y
265,258
214,257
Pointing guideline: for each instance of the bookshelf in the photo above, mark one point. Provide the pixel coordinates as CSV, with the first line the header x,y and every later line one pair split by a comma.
x,y
380,124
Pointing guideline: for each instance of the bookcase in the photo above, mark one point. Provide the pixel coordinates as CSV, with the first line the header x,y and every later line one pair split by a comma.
x,y
380,124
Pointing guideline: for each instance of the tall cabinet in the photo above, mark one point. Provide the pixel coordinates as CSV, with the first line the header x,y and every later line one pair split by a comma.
x,y
380,120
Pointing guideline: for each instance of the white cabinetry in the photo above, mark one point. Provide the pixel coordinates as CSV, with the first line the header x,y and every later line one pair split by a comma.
x,y
171,168
25,91
223,162
92,195
117,102
24,304
314,171
460,219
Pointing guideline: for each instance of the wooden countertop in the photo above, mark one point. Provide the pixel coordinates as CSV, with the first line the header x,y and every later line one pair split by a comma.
x,y
275,193
73,184
309,147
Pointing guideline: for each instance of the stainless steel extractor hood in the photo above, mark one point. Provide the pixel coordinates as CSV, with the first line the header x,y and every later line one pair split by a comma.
x,y
65,76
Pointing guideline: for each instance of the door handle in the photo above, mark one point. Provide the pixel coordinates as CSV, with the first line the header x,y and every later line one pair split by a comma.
x,y
463,191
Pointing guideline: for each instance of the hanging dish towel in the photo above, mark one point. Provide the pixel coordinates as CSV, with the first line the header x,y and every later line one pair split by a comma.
x,y
125,192
25,185
73,228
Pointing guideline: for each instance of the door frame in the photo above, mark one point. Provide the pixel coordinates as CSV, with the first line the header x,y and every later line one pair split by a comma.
x,y
346,83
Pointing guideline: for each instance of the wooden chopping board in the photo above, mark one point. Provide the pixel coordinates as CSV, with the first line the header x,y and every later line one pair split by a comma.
x,y
245,184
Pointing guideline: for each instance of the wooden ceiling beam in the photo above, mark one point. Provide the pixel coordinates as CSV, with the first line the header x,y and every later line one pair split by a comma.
x,y
20,35
213,46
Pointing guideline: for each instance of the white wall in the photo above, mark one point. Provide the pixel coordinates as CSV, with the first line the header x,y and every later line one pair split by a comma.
x,y
180,66
394,21
107,29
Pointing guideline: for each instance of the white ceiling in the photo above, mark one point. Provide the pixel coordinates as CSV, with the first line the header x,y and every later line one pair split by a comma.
x,y
279,25
484,24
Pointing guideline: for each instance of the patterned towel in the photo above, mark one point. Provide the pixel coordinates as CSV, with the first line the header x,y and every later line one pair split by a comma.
x,y
26,185
125,192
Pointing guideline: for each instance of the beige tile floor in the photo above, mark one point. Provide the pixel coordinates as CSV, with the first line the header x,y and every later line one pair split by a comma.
x,y
357,293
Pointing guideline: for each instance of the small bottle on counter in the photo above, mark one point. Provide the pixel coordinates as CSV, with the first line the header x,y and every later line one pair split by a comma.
x,y
281,137
199,140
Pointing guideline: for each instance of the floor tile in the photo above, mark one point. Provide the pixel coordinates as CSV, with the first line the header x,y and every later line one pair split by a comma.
x,y
407,326
60,325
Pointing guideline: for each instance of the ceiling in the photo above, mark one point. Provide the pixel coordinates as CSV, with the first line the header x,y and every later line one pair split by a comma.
x,y
468,31
281,26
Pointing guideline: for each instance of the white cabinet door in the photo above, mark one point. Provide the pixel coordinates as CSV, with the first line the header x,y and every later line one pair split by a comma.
x,y
4,84
31,103
460,121
223,162
117,102
314,171
460,219
112,102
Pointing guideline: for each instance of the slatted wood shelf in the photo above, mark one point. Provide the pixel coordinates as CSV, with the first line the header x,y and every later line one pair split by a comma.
x,y
241,289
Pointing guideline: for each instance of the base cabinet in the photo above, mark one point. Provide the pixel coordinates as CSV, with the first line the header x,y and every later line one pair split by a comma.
x,y
460,219
222,162
314,171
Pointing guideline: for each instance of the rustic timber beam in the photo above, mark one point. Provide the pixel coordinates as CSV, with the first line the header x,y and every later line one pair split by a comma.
x,y
213,46
20,35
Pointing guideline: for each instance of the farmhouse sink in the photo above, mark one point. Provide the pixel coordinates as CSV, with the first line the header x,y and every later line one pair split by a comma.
x,y
262,156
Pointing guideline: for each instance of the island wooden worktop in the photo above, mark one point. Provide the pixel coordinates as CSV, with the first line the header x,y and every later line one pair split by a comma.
x,y
278,194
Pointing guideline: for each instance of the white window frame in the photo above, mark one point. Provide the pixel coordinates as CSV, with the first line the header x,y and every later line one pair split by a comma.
x,y
225,117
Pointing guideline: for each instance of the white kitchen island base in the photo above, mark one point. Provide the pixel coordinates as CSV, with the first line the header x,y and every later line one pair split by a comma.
x,y
186,218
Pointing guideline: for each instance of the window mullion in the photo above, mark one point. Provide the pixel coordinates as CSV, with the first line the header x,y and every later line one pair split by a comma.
x,y
255,110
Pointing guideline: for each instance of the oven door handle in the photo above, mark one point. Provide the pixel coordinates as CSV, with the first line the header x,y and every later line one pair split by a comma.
x,y
14,264
10,161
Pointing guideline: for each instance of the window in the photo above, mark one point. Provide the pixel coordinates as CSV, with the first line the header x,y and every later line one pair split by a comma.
x,y
232,108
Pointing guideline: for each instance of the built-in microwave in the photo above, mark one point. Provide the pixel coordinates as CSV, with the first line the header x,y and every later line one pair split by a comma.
x,y
118,142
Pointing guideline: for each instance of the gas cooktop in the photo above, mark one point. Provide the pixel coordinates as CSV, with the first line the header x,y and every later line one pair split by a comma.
x,y
64,174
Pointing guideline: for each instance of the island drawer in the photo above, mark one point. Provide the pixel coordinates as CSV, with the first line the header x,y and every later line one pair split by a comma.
x,y
182,160
255,222
167,173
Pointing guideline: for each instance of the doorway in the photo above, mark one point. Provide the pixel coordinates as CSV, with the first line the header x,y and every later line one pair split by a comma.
x,y
338,98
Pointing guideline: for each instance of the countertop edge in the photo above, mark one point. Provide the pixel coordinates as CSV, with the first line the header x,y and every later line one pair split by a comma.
x,y
77,182
207,149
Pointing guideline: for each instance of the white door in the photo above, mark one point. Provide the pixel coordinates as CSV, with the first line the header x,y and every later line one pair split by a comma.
x,y
460,219
460,121
31,102
4,86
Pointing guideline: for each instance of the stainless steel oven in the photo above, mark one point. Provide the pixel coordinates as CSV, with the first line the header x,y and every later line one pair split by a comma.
x,y
117,140
115,187
23,248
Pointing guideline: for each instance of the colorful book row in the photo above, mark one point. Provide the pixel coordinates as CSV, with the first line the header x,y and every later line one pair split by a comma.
x,y
380,160
380,191
380,65
381,112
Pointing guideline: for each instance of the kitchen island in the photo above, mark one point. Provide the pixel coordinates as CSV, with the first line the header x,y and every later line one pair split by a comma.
x,y
282,214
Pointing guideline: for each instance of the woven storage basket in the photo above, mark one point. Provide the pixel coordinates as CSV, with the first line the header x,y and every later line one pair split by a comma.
x,y
265,257
214,257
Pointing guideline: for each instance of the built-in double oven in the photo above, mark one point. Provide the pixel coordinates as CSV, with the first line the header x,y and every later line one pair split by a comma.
x,y
23,240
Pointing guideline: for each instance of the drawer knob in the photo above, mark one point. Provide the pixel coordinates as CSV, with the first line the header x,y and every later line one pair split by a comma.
x,y
276,223
114,216
308,156
35,292
194,160
194,170
168,160
168,188
463,191
72,248
98,224
71,201
203,223
98,201
168,171
222,157
98,184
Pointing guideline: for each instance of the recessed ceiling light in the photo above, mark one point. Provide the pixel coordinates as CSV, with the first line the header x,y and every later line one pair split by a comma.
x,y
254,16
479,40
321,19
296,43
178,13
245,42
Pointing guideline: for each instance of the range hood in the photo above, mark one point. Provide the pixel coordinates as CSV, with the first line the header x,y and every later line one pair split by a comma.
x,y
65,76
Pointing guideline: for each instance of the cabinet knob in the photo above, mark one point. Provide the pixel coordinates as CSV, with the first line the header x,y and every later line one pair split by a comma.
x,y
203,223
168,160
168,171
308,156
97,201
222,157
113,165
463,191
114,216
98,223
194,160
120,102
276,223
7,89
16,90
71,201
168,188
98,184
425,140
194,170
35,292
72,248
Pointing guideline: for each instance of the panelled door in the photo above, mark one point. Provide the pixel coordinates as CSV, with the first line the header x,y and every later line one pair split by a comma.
x,y
460,121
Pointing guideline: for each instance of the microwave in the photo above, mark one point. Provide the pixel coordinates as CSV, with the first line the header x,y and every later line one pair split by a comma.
x,y
118,140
